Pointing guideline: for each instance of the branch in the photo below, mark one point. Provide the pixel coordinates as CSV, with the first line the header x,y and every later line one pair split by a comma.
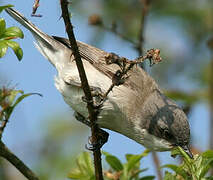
x,y
3,125
95,20
144,12
35,7
157,165
210,45
13,159
85,87
119,78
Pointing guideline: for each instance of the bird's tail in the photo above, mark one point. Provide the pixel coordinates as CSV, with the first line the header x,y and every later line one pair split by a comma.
x,y
25,22
46,44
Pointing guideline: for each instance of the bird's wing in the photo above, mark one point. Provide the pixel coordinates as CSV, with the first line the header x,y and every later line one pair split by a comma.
x,y
95,56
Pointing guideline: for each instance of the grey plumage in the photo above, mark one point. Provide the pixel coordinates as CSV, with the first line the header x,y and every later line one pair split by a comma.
x,y
137,109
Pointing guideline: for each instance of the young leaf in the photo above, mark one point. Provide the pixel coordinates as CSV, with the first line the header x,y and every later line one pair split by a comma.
x,y
147,178
2,26
177,169
133,160
135,174
3,48
76,174
88,162
23,97
82,164
16,48
4,7
18,100
14,32
12,95
208,154
169,176
114,162
205,166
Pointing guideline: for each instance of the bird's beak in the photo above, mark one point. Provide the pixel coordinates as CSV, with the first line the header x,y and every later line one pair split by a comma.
x,y
187,151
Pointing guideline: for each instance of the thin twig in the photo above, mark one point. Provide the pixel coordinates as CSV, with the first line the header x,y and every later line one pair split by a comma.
x,y
122,36
144,12
153,55
96,20
210,45
157,165
2,127
35,7
85,87
13,159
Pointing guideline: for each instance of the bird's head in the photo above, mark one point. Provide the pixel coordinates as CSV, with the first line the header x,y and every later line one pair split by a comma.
x,y
171,129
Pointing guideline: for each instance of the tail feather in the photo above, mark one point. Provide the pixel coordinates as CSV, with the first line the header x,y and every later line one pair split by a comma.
x,y
48,46
25,22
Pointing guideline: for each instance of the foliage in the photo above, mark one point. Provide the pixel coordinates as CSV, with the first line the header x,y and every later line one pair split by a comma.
x,y
190,169
6,36
9,100
118,170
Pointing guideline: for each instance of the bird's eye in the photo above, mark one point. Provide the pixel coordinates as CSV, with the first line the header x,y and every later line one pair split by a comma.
x,y
167,134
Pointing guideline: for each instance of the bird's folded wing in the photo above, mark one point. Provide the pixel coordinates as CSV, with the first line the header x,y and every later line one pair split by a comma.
x,y
95,56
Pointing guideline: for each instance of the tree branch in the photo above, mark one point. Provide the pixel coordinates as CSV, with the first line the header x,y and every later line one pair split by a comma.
x,y
13,159
3,125
85,87
144,12
95,20
35,7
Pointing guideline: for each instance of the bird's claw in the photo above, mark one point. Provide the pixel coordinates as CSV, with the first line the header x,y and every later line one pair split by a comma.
x,y
101,140
97,95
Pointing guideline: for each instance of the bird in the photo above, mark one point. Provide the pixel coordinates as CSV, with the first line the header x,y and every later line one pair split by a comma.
x,y
137,109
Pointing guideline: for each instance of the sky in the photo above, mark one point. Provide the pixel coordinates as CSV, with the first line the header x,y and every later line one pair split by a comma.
x,y
35,74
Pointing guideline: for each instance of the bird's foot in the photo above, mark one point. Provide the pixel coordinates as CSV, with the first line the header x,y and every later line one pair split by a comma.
x,y
82,119
98,97
102,138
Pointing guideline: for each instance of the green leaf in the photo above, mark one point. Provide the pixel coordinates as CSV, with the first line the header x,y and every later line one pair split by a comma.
x,y
147,178
105,153
76,174
16,48
83,163
186,157
208,178
88,162
4,7
19,99
205,166
175,152
177,169
208,154
84,170
14,32
133,160
114,162
169,176
2,26
3,48
12,95
138,172
23,97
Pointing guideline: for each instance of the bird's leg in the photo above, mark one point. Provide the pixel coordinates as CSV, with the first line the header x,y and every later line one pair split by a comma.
x,y
97,95
82,119
102,135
